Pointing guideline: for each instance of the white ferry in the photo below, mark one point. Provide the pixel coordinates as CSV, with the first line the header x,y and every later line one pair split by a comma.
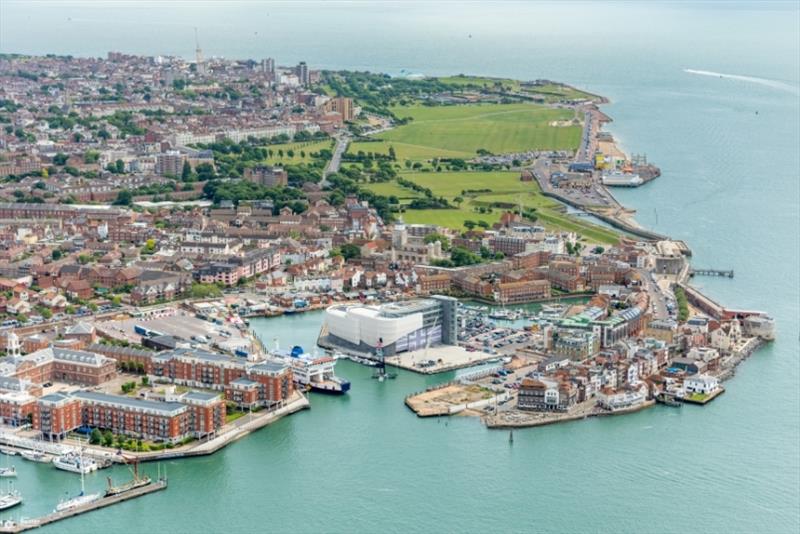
x,y
316,372
623,179
75,464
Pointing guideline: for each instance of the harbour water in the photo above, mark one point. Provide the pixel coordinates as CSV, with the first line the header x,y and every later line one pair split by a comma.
x,y
727,147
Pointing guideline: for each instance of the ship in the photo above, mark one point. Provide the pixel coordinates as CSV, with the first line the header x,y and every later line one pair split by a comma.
x,y
316,372
75,463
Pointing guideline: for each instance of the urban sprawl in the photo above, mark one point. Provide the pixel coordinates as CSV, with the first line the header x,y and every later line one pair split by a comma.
x,y
151,207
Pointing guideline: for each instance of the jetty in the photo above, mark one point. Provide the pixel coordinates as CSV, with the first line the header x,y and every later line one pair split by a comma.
x,y
711,272
13,527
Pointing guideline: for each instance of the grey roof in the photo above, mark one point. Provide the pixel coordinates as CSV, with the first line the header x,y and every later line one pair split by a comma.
x,y
269,367
243,381
54,397
80,328
79,356
11,384
162,408
122,351
200,396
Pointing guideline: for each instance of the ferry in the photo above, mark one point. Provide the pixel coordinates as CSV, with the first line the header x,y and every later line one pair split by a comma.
x,y
623,179
316,372
75,464
10,499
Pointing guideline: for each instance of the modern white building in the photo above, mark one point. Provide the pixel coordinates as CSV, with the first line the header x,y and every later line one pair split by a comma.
x,y
705,384
395,327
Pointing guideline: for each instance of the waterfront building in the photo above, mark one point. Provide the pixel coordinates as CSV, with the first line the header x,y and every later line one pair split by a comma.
x,y
191,414
546,395
701,383
395,327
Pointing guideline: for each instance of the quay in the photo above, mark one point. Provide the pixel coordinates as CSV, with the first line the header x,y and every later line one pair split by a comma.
x,y
519,419
12,528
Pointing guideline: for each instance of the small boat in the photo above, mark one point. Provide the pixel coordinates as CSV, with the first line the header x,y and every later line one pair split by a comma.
x,y
10,499
75,463
7,472
9,452
36,456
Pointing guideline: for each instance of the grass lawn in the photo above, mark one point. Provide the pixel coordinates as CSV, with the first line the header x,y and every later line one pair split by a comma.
x,y
505,187
233,416
307,146
388,189
553,92
499,128
480,81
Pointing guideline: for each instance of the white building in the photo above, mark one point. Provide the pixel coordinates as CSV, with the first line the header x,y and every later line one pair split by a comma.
x,y
705,384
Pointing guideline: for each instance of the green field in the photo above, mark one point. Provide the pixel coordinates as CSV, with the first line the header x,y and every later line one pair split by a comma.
x,y
554,92
388,189
406,151
505,187
307,146
499,128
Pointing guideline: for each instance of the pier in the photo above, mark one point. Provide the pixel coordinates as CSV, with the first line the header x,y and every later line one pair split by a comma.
x,y
96,505
711,272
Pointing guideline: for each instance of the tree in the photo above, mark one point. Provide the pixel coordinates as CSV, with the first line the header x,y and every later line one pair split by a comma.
x,y
56,254
95,437
350,250
120,165
483,224
458,200
108,438
469,225
186,173
60,159
124,198
598,249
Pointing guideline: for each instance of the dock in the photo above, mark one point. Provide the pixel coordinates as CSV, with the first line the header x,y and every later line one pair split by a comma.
x,y
96,505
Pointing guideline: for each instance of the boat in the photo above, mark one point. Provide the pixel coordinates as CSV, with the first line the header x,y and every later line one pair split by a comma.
x,y
75,463
364,361
79,500
135,482
36,456
316,372
10,499
7,472
9,452
501,314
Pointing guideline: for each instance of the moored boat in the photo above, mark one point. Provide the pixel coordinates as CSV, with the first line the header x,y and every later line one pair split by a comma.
x,y
75,463
36,456
10,499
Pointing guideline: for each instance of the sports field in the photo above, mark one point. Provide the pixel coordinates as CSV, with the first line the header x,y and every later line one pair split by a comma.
x,y
499,128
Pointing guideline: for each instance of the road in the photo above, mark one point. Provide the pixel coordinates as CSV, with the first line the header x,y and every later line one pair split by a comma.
x,y
657,299
336,160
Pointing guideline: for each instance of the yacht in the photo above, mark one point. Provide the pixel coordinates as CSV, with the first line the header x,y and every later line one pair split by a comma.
x,y
36,456
10,499
6,472
75,463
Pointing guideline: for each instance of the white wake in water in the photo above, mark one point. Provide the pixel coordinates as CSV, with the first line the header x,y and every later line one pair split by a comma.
x,y
775,84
